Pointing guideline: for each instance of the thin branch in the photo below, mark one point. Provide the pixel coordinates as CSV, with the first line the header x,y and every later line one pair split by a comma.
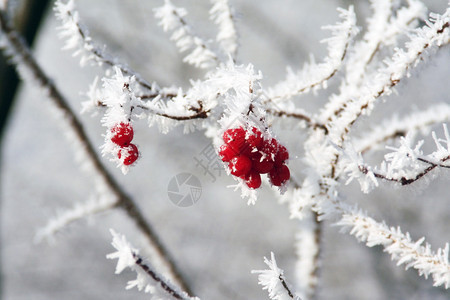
x,y
172,20
101,57
25,59
139,261
285,286
296,84
298,115
396,127
405,180
317,239
199,113
393,80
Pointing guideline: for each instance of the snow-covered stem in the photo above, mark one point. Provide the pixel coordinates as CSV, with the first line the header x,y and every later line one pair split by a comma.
x,y
434,34
274,281
172,19
419,121
28,67
308,249
313,76
404,165
147,279
80,211
383,30
78,39
396,243
400,246
227,36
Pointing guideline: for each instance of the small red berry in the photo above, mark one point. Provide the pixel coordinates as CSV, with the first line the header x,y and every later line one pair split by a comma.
x,y
130,153
252,179
262,165
281,156
122,134
279,175
255,140
240,165
235,138
226,153
270,148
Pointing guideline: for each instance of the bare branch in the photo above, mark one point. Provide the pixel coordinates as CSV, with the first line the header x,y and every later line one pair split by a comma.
x,y
298,115
139,261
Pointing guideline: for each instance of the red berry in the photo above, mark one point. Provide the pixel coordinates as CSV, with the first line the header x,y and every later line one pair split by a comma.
x,y
226,153
240,165
279,175
281,156
130,153
270,148
235,138
255,140
260,164
252,179
122,134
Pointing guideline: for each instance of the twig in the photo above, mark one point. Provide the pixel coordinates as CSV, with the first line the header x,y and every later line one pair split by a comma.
x,y
405,180
22,51
103,58
285,286
316,270
139,261
301,116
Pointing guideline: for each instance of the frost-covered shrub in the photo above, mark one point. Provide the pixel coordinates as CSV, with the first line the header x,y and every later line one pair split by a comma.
x,y
233,108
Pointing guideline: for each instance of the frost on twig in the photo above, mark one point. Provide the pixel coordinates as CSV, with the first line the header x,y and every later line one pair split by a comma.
x,y
78,212
404,165
172,19
362,62
313,75
147,280
227,36
274,282
399,245
308,245
415,122
422,40
384,30
77,38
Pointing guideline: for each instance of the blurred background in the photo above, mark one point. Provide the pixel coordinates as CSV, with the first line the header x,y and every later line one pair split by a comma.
x,y
219,239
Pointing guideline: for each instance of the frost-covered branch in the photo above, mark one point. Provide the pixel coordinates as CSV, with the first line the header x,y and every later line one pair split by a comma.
x,y
227,36
400,246
313,75
147,279
78,212
22,58
273,281
172,19
419,121
383,30
435,33
308,249
404,165
77,38
402,249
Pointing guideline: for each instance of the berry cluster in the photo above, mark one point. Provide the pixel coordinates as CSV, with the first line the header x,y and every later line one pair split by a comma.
x,y
249,155
123,135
